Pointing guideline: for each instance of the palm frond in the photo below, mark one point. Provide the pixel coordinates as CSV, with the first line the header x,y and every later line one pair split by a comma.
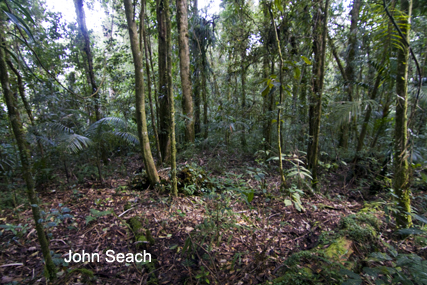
x,y
343,112
127,137
74,142
96,127
382,31
55,128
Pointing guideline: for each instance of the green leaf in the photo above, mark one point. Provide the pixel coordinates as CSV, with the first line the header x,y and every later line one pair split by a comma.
x,y
419,218
411,231
249,195
297,72
288,202
306,60
24,11
20,23
265,91
278,5
12,54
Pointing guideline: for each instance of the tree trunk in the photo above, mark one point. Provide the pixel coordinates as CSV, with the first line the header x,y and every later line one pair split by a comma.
x,y
204,96
349,70
24,154
320,21
147,70
363,132
401,168
174,186
243,74
27,106
197,111
279,125
150,167
184,64
81,20
164,108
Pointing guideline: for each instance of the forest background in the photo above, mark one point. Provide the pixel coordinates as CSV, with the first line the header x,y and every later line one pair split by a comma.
x,y
300,125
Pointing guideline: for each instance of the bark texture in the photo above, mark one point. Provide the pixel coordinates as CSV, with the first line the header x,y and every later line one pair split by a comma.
x,y
401,168
150,167
81,20
24,154
164,104
349,69
319,49
184,64
144,43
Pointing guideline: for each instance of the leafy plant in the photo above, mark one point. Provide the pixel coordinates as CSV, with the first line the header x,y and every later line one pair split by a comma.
x,y
97,214
55,216
17,230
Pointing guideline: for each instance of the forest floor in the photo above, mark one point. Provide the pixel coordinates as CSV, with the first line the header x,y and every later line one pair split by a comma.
x,y
216,239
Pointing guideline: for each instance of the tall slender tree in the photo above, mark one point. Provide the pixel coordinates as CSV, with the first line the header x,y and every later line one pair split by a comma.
x,y
150,167
401,153
320,21
184,64
350,65
24,154
81,20
144,44
164,104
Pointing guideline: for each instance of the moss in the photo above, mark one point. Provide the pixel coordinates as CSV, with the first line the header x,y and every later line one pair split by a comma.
x,y
141,234
340,250
309,267
361,227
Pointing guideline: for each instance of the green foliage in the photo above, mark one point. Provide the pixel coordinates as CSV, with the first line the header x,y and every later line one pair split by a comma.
x,y
192,180
362,228
55,216
18,231
306,267
95,214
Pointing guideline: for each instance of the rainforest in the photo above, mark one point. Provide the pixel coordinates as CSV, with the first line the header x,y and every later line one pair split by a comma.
x,y
222,142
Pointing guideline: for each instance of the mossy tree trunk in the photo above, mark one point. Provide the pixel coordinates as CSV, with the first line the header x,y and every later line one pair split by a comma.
x,y
81,20
24,154
174,188
150,167
279,109
27,106
204,94
144,44
401,153
184,64
243,75
319,49
163,95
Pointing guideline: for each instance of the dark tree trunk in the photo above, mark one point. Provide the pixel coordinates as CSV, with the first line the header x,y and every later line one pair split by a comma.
x,y
24,154
320,21
81,20
401,167
184,61
164,104
349,70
